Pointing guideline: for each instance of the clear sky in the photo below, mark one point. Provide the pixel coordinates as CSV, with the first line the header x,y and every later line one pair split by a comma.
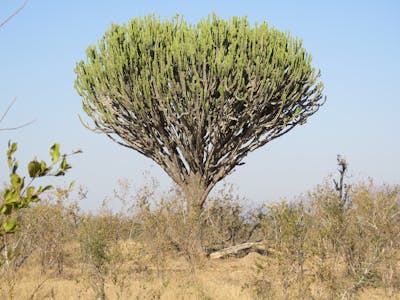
x,y
355,44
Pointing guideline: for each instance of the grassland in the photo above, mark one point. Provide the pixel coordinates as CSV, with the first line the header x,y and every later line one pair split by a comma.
x,y
321,246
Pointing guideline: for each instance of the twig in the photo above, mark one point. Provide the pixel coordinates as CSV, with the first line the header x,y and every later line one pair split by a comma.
x,y
37,288
5,114
14,13
7,110
18,127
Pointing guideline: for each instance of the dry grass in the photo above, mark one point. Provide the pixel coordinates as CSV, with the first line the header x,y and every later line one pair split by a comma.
x,y
317,249
230,278
222,279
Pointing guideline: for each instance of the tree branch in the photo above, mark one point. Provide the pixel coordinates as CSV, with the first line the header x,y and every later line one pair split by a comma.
x,y
5,114
13,14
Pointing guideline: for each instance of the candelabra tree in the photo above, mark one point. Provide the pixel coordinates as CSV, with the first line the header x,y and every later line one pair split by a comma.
x,y
197,98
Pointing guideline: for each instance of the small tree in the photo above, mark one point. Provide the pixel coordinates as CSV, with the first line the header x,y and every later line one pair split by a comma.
x,y
197,99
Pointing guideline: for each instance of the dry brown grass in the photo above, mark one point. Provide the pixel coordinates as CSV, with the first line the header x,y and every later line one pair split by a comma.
x,y
317,249
222,279
230,278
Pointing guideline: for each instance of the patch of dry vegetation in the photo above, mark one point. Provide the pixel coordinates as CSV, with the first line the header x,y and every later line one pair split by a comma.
x,y
315,248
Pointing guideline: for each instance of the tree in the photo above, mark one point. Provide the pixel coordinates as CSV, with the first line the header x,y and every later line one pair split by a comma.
x,y
197,99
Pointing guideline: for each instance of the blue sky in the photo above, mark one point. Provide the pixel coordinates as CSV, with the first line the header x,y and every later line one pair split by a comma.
x,y
355,44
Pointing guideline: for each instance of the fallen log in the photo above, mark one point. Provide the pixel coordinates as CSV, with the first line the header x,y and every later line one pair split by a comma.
x,y
247,247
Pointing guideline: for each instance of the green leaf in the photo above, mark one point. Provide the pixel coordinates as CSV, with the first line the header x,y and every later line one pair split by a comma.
x,y
55,153
5,209
12,148
60,173
35,198
14,167
29,192
13,199
46,188
64,165
43,168
71,185
43,189
9,226
16,181
34,169
7,194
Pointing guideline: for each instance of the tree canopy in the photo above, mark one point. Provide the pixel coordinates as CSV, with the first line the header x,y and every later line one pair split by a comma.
x,y
197,98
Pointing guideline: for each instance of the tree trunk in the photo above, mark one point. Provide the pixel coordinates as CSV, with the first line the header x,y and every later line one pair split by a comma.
x,y
246,247
195,193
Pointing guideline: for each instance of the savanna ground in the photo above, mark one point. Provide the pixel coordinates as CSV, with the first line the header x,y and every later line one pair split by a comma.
x,y
331,243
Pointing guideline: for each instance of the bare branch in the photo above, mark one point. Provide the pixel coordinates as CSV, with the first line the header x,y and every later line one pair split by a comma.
x,y
5,114
13,14
18,127
8,109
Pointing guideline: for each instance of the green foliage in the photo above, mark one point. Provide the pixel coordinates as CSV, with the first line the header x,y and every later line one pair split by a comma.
x,y
18,194
146,55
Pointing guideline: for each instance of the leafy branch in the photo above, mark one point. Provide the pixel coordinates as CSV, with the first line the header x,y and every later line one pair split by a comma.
x,y
18,195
